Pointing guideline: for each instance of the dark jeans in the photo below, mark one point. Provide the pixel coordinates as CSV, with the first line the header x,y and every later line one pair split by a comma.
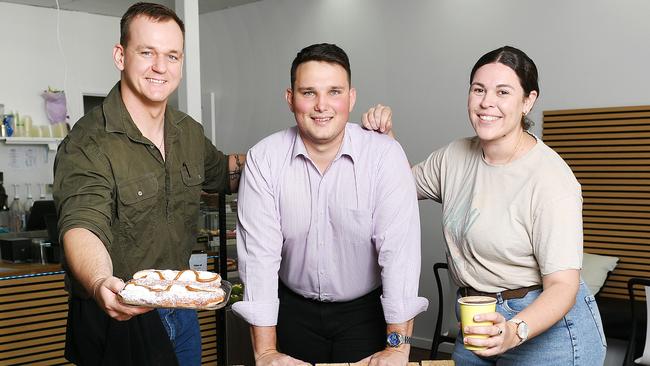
x,y
182,326
329,332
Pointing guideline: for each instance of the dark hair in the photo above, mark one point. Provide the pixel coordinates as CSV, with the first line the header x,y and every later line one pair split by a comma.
x,y
325,52
520,63
155,12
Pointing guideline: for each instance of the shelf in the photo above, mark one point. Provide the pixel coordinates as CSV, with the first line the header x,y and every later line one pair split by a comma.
x,y
51,142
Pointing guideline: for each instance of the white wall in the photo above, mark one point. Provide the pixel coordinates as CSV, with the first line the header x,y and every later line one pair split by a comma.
x,y
30,61
416,56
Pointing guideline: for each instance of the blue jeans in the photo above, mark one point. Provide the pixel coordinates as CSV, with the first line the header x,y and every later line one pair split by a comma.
x,y
182,326
577,339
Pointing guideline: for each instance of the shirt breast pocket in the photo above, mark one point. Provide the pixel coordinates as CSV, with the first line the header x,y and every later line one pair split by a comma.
x,y
192,174
193,177
137,197
352,226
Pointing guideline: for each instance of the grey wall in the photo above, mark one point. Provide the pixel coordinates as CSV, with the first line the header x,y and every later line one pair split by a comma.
x,y
415,56
31,60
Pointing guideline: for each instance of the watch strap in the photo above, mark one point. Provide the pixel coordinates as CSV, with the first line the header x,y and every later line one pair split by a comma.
x,y
517,322
402,339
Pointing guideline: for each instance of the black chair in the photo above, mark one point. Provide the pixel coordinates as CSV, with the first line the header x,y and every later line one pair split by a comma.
x,y
639,318
438,336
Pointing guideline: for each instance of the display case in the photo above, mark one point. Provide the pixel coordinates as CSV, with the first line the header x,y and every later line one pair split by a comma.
x,y
218,238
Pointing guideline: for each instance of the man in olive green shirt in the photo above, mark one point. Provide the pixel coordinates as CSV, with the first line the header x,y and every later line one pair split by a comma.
x,y
127,185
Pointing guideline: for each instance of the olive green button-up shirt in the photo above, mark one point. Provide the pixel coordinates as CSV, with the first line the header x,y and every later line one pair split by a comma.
x,y
111,180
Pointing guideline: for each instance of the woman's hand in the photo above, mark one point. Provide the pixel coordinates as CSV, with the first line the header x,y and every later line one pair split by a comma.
x,y
379,118
502,335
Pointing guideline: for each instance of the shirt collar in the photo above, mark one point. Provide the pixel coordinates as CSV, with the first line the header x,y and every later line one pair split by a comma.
x,y
347,146
119,120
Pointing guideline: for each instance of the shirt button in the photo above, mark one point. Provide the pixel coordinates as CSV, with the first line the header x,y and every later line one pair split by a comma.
x,y
139,193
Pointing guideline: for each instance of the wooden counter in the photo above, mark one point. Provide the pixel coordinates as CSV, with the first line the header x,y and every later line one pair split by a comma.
x,y
22,269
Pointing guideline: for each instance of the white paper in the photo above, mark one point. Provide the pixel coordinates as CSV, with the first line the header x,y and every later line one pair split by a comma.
x,y
27,157
199,261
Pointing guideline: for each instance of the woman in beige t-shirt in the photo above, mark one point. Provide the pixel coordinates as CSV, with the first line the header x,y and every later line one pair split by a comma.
x,y
512,221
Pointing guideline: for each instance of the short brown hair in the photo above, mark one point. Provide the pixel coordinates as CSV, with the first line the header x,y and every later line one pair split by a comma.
x,y
155,12
324,52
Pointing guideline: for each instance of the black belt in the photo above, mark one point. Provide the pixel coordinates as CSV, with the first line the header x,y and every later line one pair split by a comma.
x,y
505,295
372,295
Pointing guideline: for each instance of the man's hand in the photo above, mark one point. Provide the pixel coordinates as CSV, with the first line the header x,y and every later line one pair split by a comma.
x,y
105,293
275,358
387,357
379,118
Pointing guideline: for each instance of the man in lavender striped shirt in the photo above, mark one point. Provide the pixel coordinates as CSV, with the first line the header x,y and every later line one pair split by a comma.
x,y
329,230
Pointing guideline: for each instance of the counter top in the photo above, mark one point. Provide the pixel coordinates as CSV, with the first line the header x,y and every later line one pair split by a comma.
x,y
8,269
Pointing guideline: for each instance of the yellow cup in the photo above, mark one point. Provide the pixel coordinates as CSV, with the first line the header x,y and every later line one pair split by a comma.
x,y
473,305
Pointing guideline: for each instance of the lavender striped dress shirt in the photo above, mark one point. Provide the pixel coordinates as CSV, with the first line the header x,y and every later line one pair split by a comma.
x,y
333,236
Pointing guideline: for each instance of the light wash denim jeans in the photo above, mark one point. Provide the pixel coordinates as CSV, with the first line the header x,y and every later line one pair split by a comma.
x,y
182,326
577,339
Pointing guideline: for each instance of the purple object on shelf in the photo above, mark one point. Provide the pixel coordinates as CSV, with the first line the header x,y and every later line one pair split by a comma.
x,y
55,106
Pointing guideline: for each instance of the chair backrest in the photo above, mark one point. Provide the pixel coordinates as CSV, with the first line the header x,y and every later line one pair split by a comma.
x,y
637,316
446,327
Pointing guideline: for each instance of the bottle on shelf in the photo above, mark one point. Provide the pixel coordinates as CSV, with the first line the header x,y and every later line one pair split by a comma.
x,y
16,213
29,202
3,193
4,209
41,187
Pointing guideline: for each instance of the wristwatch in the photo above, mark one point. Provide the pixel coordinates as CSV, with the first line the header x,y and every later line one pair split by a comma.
x,y
522,329
395,339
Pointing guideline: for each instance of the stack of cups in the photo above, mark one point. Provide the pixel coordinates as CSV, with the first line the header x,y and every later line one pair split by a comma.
x,y
59,129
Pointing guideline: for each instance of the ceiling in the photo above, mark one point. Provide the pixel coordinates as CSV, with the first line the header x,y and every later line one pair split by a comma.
x,y
117,7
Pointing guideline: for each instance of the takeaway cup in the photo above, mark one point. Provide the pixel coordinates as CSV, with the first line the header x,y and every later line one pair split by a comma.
x,y
473,305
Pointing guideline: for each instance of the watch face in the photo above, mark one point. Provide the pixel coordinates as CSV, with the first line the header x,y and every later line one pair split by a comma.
x,y
393,339
522,330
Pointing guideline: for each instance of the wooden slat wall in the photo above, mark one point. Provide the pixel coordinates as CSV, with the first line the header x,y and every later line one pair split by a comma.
x,y
33,314
208,324
608,150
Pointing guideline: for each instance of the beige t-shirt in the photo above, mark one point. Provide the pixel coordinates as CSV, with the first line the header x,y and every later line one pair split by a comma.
x,y
507,225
